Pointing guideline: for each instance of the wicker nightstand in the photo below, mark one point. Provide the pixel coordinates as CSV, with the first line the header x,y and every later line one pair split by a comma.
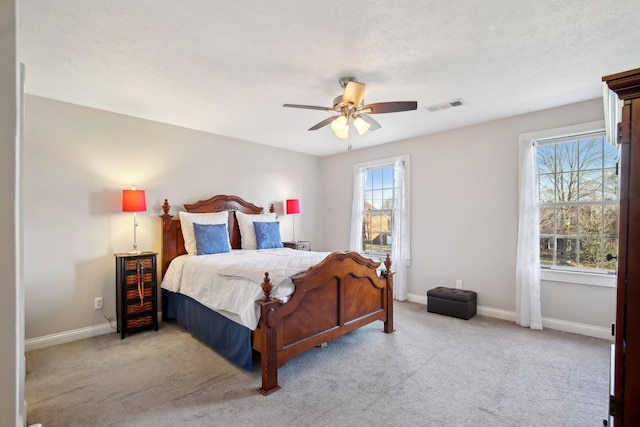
x,y
301,245
136,292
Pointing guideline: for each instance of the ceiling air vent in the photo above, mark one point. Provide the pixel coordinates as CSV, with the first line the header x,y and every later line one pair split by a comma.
x,y
443,106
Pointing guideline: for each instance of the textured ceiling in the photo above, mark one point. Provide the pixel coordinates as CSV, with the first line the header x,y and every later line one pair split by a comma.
x,y
227,67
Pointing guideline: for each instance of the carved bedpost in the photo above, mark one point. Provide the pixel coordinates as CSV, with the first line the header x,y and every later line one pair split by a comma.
x,y
266,286
166,218
388,325
269,350
269,354
168,250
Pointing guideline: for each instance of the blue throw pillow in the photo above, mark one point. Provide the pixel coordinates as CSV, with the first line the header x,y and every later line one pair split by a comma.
x,y
267,235
211,238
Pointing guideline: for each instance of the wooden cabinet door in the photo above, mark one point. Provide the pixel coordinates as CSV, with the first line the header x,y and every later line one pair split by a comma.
x,y
625,402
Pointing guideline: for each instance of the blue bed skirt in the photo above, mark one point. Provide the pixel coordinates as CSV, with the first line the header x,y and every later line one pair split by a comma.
x,y
228,338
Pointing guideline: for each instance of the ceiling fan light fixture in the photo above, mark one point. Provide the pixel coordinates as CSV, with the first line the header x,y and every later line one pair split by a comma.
x,y
361,126
340,127
339,123
343,134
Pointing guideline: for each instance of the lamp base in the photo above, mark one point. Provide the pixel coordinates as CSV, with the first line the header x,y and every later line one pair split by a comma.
x,y
135,252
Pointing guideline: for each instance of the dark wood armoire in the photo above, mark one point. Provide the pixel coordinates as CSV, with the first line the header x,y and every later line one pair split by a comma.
x,y
624,403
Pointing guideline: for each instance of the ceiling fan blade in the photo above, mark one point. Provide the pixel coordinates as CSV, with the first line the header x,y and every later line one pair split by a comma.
x,y
323,123
353,93
390,107
374,125
308,107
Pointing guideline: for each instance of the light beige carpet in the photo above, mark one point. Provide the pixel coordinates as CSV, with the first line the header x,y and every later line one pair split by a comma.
x,y
433,371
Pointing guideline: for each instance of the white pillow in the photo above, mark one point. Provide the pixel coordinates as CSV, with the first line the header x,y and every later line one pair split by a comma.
x,y
247,231
188,219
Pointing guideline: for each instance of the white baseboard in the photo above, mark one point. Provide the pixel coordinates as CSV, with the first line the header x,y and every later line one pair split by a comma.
x,y
557,324
497,313
69,336
578,328
420,299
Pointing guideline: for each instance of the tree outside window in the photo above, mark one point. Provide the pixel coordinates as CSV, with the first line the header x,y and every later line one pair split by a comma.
x,y
578,203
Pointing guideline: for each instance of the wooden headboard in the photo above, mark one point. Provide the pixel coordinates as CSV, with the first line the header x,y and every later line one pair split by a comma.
x,y
172,240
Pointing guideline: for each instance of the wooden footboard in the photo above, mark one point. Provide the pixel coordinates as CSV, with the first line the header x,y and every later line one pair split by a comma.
x,y
342,293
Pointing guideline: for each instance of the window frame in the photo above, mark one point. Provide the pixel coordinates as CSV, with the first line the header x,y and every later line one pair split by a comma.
x,y
380,213
566,275
382,163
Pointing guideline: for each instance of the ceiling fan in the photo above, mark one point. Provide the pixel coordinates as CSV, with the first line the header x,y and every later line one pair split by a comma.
x,y
351,108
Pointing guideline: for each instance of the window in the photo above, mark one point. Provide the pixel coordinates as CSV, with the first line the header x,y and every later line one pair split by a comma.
x,y
380,215
381,207
578,203
379,191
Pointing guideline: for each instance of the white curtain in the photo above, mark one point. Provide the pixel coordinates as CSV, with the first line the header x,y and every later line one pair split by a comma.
x,y
400,241
528,312
357,213
612,114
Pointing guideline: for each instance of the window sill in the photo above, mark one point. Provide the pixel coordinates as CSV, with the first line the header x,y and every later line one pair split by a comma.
x,y
605,280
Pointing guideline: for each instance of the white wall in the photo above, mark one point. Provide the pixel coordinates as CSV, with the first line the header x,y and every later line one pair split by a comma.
x,y
464,205
464,212
12,302
76,162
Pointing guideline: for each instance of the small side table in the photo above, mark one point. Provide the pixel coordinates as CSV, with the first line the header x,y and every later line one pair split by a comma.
x,y
300,245
136,292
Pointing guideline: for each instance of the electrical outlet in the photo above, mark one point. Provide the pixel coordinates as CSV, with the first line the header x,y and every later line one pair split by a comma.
x,y
458,284
97,303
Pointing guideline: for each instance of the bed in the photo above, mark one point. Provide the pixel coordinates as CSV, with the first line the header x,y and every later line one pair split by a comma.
x,y
343,292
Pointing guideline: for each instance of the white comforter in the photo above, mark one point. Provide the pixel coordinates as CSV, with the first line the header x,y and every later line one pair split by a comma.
x,y
230,282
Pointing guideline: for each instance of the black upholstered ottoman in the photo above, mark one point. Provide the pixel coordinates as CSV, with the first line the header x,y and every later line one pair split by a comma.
x,y
452,302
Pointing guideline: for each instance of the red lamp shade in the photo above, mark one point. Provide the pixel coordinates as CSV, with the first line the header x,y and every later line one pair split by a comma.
x,y
133,201
293,206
